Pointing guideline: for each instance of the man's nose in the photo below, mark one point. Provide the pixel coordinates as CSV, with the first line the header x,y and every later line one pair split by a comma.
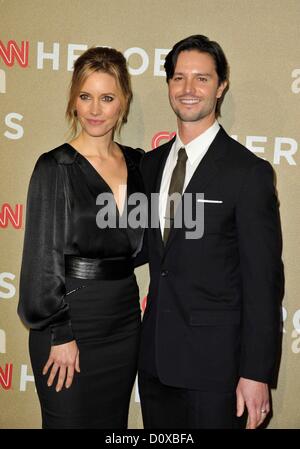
x,y
189,86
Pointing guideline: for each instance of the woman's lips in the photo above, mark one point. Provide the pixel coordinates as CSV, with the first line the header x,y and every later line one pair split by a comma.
x,y
94,122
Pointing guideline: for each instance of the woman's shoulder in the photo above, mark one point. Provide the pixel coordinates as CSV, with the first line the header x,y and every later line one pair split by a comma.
x,y
64,154
50,160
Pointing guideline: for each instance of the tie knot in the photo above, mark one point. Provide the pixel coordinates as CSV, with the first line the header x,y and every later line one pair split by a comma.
x,y
182,156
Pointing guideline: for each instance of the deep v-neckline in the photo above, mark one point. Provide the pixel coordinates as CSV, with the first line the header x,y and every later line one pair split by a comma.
x,y
100,178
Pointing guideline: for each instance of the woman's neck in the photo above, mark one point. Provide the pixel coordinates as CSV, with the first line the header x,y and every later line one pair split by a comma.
x,y
102,147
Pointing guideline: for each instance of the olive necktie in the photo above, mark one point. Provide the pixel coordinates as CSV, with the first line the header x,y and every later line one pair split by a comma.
x,y
176,186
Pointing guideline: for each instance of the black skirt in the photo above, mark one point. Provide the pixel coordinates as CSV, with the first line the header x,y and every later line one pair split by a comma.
x,y
105,318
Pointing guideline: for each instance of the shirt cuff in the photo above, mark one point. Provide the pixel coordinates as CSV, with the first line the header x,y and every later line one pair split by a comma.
x,y
61,333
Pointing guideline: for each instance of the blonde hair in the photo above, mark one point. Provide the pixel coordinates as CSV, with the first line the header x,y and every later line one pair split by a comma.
x,y
106,60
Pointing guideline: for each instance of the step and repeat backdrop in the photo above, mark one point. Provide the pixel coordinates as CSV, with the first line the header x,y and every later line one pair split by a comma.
x,y
39,42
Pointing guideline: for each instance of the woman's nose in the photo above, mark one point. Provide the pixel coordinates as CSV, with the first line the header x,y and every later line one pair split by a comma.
x,y
95,107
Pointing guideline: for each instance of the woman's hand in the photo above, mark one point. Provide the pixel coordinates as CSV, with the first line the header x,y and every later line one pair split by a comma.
x,y
65,359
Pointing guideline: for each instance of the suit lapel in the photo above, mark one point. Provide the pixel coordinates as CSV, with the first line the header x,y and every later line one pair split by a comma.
x,y
206,171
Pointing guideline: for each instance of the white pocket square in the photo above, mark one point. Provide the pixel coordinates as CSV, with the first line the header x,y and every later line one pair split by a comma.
x,y
200,200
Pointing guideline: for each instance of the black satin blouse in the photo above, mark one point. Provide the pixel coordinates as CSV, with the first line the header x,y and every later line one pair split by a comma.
x,y
61,220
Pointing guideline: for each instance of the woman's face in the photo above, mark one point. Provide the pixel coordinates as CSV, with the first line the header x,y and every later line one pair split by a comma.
x,y
98,104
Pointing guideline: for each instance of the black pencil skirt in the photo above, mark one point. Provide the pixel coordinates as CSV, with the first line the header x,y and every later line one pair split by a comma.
x,y
106,323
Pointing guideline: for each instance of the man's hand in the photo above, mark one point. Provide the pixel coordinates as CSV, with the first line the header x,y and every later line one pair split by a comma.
x,y
65,359
255,396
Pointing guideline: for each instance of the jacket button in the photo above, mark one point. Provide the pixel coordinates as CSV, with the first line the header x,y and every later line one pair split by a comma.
x,y
164,273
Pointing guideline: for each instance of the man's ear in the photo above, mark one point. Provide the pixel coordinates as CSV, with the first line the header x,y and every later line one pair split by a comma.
x,y
221,88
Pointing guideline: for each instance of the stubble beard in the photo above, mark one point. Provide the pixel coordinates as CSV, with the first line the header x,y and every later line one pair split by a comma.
x,y
192,117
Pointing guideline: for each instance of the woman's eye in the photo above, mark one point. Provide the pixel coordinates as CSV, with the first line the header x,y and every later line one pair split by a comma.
x,y
83,96
107,98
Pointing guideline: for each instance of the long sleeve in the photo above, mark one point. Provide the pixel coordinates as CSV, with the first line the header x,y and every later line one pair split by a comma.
x,y
42,279
262,273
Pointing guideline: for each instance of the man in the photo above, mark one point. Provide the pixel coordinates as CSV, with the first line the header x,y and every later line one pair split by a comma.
x,y
211,328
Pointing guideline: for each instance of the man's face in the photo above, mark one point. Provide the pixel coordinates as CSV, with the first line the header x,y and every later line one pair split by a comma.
x,y
194,88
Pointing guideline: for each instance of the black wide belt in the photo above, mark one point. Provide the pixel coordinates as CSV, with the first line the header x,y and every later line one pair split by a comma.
x,y
103,269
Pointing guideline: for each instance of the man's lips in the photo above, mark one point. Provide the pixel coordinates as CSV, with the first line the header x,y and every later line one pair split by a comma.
x,y
189,101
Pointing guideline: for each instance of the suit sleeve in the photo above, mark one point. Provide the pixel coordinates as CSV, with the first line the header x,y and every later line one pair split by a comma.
x,y
260,247
42,279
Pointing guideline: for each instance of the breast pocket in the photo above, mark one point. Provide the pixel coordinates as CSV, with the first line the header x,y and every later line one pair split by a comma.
x,y
217,217
213,220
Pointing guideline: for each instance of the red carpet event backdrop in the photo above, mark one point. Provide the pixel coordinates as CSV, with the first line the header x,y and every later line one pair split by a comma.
x,y
39,42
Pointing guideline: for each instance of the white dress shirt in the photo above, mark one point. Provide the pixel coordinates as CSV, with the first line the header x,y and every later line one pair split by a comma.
x,y
195,150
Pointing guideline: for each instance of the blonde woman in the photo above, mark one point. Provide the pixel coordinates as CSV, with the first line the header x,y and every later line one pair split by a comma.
x,y
78,292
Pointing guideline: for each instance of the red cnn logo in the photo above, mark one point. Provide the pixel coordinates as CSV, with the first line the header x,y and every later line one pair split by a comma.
x,y
161,135
15,217
6,376
13,51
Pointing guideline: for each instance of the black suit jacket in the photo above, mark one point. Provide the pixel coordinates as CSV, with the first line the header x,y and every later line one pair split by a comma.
x,y
213,311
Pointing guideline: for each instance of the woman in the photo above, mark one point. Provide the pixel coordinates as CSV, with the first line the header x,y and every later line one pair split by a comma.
x,y
78,292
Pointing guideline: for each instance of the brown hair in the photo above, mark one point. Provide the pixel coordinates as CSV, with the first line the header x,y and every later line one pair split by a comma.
x,y
100,59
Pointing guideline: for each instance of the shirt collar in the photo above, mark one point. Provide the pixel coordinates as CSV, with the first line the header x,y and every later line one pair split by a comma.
x,y
198,146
